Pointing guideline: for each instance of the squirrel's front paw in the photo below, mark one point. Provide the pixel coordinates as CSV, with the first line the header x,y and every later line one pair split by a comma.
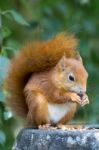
x,y
84,100
75,98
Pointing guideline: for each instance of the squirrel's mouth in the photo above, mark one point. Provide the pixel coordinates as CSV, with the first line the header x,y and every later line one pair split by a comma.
x,y
80,95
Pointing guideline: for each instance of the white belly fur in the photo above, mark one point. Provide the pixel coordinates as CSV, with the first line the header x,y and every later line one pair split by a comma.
x,y
57,111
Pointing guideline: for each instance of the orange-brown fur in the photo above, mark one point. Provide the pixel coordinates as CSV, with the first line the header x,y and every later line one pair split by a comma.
x,y
29,81
39,91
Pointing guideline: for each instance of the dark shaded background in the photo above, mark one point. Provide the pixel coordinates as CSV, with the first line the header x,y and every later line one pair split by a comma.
x,y
25,20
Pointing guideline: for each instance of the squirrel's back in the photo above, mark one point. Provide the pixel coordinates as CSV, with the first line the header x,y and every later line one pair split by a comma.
x,y
33,58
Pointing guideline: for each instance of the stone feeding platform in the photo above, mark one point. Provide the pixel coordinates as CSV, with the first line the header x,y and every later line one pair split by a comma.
x,y
57,139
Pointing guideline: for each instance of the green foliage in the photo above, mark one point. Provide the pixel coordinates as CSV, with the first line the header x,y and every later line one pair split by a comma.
x,y
45,19
7,51
12,14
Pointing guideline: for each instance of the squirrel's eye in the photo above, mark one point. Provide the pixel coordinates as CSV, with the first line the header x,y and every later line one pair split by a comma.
x,y
71,77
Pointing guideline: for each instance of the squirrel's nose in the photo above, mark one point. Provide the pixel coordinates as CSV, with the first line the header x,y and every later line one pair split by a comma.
x,y
82,90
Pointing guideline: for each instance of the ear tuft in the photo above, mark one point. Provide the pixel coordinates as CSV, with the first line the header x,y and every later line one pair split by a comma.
x,y
78,57
62,63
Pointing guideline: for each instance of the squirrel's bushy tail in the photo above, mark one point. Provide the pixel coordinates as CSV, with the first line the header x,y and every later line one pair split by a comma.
x,y
34,58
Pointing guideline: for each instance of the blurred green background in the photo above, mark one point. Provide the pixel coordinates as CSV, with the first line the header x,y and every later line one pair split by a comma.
x,y
26,20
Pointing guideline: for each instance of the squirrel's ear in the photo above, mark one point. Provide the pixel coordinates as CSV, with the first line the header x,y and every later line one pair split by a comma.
x,y
78,57
62,63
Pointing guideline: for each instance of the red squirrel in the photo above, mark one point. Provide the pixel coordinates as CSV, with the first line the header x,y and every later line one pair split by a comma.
x,y
46,81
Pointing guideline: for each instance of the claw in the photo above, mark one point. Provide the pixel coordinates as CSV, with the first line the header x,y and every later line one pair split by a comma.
x,y
84,102
84,99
